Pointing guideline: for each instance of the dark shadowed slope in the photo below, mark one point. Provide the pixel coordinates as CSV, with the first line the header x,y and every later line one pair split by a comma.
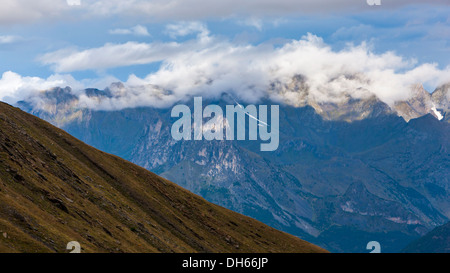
x,y
55,189
436,241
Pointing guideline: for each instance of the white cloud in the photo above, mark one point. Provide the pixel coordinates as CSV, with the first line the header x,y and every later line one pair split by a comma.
x,y
108,56
252,22
137,30
9,39
185,28
208,66
14,87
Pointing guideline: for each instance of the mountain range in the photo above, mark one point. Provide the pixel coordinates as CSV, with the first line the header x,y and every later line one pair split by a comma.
x,y
346,172
54,189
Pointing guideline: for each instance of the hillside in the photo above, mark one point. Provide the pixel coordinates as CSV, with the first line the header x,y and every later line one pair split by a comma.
x,y
436,241
55,189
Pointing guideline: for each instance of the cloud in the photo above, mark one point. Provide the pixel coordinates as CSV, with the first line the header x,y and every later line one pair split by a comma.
x,y
73,2
14,87
109,56
208,66
203,9
137,30
130,53
252,22
9,39
27,11
185,28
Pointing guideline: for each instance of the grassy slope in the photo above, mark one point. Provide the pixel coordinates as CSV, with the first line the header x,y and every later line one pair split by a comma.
x,y
55,189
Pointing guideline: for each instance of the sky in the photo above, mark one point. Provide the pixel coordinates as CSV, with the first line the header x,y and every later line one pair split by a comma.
x,y
205,47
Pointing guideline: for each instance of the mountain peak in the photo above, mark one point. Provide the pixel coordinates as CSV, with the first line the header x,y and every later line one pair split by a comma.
x,y
419,104
344,105
441,99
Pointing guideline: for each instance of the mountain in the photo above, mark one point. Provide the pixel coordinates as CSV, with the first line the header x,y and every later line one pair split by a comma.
x,y
343,106
441,100
419,104
55,189
436,241
422,103
344,168
353,105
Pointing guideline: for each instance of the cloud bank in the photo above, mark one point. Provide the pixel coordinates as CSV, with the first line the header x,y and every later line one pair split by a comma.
x,y
14,87
209,66
27,11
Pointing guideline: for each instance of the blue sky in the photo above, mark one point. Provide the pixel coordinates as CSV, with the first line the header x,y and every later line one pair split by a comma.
x,y
51,37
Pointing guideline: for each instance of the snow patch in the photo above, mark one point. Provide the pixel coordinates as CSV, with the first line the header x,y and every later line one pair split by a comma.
x,y
437,113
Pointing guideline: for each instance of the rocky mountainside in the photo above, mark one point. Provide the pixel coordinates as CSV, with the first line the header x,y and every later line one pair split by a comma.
x,y
441,100
345,106
55,189
436,241
422,103
344,168
354,105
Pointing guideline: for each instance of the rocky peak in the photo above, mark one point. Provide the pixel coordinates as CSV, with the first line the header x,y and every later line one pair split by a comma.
x,y
342,106
418,105
441,100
